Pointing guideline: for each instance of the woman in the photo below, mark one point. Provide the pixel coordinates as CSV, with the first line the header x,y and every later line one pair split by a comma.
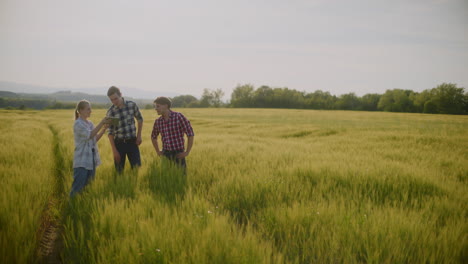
x,y
86,156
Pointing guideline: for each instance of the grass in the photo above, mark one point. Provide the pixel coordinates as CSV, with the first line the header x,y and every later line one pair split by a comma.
x,y
27,163
262,186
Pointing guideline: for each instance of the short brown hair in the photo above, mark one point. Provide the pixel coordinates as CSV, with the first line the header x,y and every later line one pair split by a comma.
x,y
112,90
164,101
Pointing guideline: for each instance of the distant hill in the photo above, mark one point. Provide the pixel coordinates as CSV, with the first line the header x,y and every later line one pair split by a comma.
x,y
23,96
68,96
23,88
37,91
8,94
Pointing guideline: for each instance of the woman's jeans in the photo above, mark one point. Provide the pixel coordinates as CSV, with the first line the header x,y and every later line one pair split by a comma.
x,y
81,178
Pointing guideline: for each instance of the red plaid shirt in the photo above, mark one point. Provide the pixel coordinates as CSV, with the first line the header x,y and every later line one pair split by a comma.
x,y
172,131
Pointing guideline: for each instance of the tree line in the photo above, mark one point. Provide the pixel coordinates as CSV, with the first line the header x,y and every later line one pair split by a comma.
x,y
446,98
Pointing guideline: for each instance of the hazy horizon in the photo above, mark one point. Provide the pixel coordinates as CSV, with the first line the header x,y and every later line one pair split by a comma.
x,y
184,47
38,89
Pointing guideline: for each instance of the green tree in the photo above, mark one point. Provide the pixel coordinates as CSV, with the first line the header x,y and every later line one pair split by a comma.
x,y
183,100
263,97
242,96
348,102
320,100
420,100
287,98
369,102
396,100
212,98
430,107
466,103
449,99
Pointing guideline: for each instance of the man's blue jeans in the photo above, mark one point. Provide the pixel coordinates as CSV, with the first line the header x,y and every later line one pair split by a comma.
x,y
129,150
171,155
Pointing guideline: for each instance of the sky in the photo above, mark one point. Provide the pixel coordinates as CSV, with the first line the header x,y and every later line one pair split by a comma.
x,y
183,47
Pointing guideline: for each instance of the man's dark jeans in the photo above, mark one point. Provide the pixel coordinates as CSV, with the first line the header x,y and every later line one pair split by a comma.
x,y
171,155
127,149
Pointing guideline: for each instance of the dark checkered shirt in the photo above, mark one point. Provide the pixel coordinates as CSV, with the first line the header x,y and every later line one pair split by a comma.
x,y
127,114
172,131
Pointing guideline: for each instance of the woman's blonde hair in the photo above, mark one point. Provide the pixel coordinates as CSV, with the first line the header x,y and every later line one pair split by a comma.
x,y
80,105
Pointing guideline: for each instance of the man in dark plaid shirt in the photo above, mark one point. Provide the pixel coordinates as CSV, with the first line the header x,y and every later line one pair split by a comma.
x,y
124,138
172,126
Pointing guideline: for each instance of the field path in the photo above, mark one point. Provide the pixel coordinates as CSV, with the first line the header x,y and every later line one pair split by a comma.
x,y
50,229
51,243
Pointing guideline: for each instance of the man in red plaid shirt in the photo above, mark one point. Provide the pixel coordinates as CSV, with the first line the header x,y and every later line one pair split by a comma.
x,y
172,126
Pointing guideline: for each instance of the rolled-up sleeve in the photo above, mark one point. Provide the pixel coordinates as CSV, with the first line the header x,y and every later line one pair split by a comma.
x,y
155,132
81,132
111,129
83,154
185,126
138,115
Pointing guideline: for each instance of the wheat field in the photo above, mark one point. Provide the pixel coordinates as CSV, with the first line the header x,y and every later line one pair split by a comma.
x,y
262,186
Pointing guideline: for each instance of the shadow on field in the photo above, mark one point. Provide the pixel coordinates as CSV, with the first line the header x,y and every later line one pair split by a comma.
x,y
167,181
314,132
386,189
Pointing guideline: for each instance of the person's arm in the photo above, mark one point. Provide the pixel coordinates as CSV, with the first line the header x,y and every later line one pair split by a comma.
x,y
189,144
139,119
100,134
140,127
154,138
95,131
110,134
156,145
188,130
189,148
